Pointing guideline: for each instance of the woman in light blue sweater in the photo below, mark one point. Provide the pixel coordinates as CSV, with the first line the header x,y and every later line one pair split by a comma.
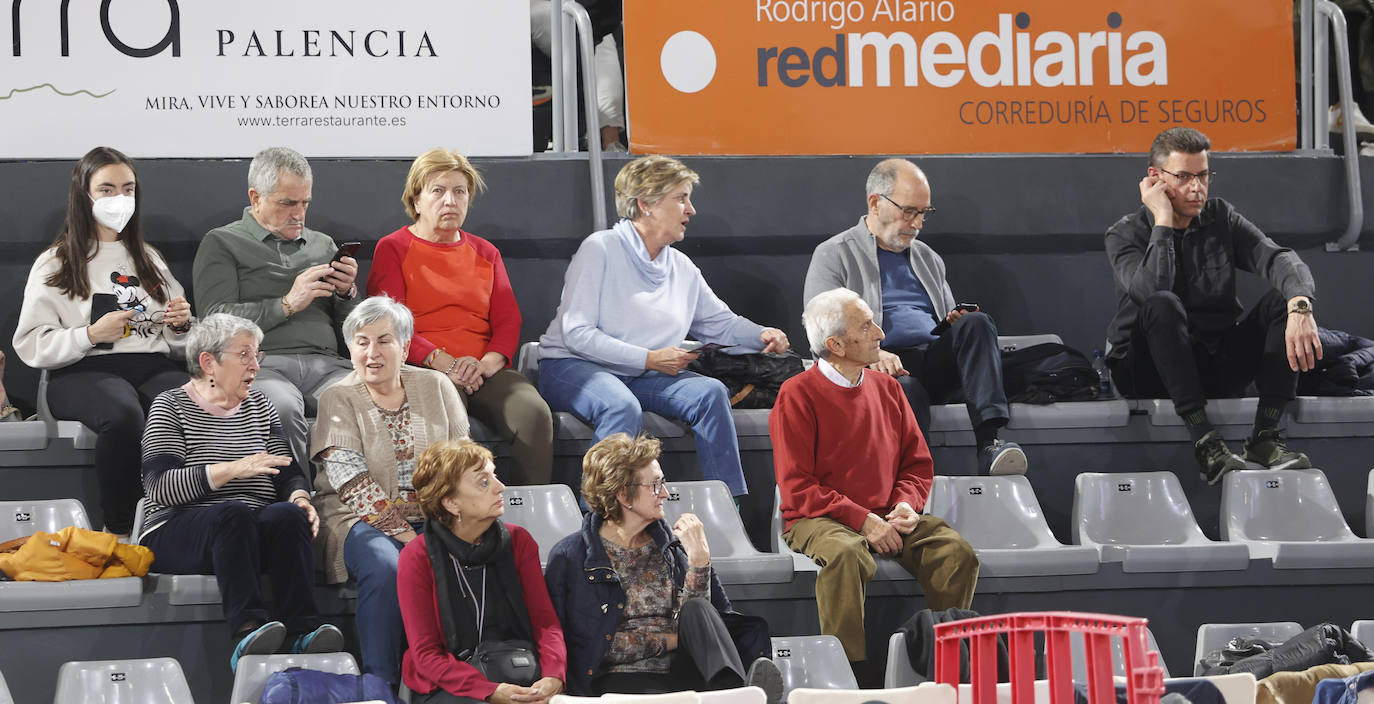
x,y
629,299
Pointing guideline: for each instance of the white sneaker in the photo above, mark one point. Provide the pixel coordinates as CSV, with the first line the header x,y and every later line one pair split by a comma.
x,y
1367,149
1335,121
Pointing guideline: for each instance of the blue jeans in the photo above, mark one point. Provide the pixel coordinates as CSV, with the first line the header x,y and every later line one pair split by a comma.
x,y
612,404
370,556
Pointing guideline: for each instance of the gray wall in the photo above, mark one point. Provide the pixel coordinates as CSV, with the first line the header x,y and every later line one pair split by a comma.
x,y
1021,235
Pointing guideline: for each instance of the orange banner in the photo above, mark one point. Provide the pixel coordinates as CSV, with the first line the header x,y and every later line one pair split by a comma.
x,y
947,76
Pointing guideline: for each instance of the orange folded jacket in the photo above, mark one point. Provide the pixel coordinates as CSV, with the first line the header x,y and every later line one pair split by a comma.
x,y
72,553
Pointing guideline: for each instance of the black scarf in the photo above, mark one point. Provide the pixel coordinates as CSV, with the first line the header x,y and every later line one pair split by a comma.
x,y
457,614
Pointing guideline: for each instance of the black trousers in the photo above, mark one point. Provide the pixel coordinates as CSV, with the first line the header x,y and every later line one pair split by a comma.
x,y
237,544
1166,358
966,358
706,658
110,394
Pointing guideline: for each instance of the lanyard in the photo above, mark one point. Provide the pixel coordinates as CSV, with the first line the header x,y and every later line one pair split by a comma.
x,y
479,605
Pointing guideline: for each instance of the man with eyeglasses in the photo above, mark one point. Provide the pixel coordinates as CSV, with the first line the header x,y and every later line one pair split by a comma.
x,y
934,345
1178,330
270,268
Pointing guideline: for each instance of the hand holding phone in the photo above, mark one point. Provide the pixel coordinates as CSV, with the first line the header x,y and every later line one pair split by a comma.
x,y
346,249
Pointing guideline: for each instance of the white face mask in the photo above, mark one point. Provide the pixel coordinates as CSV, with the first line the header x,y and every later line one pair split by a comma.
x,y
114,212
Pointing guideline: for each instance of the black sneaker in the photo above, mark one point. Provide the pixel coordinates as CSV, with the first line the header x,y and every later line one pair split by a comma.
x,y
766,676
1215,457
1001,457
1268,449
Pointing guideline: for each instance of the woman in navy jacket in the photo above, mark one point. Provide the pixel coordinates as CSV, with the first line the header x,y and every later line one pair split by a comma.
x,y
641,609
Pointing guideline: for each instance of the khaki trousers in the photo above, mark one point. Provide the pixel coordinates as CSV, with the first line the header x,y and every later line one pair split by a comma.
x,y
512,407
942,562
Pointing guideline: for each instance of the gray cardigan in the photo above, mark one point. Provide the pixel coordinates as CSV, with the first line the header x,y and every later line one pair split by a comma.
x,y
850,260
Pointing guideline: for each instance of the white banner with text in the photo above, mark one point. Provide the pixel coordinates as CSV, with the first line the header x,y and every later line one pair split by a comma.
x,y
329,78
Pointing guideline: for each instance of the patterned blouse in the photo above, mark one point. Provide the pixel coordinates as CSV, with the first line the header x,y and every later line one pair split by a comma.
x,y
347,470
651,606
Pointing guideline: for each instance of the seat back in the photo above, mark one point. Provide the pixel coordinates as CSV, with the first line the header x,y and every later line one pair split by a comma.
x,y
991,512
148,681
1080,662
1008,343
549,512
5,696
1363,631
738,695
710,500
928,693
815,662
1146,508
136,531
1369,506
1284,505
527,361
21,518
899,672
254,671
1215,636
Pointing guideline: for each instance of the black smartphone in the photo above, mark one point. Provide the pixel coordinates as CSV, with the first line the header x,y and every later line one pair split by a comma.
x,y
102,303
346,249
967,307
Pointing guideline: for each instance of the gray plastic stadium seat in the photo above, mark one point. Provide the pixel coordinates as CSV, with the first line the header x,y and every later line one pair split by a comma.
x,y
5,696
1214,636
734,559
1369,506
567,426
899,672
815,662
254,671
1220,411
1290,516
23,435
1334,409
888,568
1363,631
1001,518
148,681
82,438
21,518
1144,522
182,589
549,512
1078,655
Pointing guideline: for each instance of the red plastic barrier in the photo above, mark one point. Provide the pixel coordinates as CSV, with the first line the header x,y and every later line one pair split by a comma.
x,y
1144,676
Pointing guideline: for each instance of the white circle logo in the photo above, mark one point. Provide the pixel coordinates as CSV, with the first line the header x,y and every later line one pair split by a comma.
x,y
688,61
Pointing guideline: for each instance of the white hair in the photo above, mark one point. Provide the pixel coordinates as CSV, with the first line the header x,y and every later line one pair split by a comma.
x,y
824,317
377,308
213,334
265,169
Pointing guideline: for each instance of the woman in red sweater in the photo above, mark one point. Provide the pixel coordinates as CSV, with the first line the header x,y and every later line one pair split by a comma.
x,y
472,580
467,324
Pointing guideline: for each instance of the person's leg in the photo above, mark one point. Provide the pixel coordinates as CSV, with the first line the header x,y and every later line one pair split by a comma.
x,y
846,567
704,642
1162,324
1258,347
593,394
96,392
509,404
221,540
370,557
279,388
917,395
284,544
705,404
967,357
610,92
943,563
317,373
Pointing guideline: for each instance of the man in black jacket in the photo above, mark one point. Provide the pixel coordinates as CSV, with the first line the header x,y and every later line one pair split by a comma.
x,y
1178,329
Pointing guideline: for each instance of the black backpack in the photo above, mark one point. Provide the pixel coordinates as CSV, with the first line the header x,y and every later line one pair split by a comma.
x,y
752,380
1046,373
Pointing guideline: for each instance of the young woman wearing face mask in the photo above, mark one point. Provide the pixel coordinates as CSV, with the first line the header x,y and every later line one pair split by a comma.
x,y
102,312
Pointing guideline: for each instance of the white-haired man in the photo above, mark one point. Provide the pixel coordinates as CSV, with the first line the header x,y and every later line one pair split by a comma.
x,y
270,268
854,472
935,346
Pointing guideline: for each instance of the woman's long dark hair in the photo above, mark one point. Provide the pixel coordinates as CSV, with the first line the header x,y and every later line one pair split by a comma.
x,y
74,246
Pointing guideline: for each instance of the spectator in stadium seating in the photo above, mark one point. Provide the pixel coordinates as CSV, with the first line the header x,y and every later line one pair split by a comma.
x,y
496,592
467,323
629,299
373,425
934,346
1178,330
663,630
270,268
854,473
102,312
226,498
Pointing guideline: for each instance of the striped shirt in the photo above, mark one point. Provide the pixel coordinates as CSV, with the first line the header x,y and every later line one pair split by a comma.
x,y
182,438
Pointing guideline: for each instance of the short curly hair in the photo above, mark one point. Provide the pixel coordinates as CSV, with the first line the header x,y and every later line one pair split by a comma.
x,y
439,470
650,178
610,466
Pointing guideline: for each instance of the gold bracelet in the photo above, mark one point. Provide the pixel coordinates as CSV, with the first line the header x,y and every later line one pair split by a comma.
x,y
287,306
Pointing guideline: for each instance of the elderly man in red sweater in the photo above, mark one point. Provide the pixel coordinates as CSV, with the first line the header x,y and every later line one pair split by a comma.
x,y
854,472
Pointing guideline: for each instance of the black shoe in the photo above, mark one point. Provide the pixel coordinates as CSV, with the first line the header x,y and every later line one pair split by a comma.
x,y
1267,448
1215,458
766,676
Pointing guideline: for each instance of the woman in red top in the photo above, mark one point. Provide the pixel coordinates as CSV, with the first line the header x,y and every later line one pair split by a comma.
x,y
472,579
467,324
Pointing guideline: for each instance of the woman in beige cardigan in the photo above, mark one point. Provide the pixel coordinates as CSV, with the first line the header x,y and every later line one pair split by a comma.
x,y
373,424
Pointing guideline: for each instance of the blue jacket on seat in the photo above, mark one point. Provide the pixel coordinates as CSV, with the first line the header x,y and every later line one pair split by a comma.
x,y
589,600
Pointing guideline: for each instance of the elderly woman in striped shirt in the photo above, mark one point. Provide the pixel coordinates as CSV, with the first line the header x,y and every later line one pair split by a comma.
x,y
225,497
